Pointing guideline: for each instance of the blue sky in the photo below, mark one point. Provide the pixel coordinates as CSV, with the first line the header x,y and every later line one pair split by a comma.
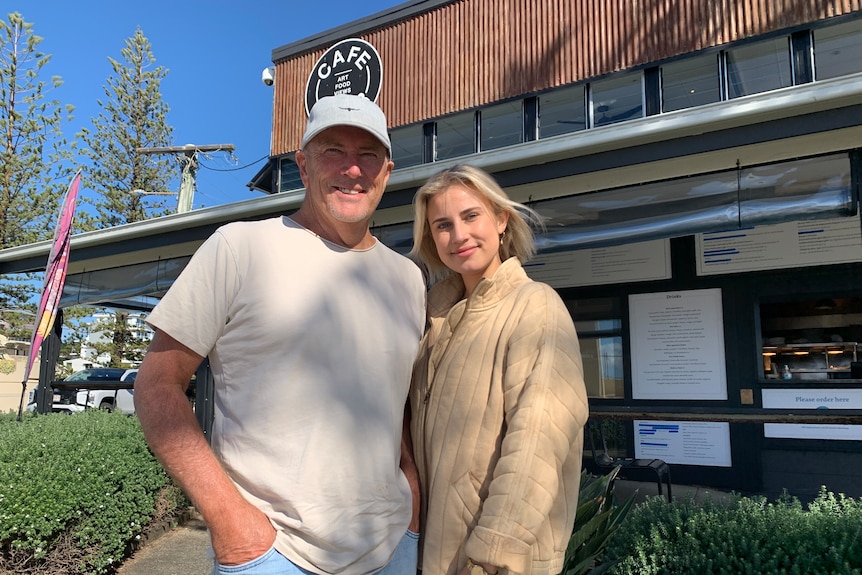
x,y
215,52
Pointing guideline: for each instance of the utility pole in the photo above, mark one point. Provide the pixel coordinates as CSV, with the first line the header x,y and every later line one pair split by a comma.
x,y
189,166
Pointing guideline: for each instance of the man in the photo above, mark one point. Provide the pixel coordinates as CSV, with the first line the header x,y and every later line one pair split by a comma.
x,y
311,326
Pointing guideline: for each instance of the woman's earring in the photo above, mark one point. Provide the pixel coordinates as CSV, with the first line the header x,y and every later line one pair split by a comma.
x,y
502,236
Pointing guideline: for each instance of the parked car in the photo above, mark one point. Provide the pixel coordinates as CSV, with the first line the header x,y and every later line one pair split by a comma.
x,y
63,401
94,387
103,389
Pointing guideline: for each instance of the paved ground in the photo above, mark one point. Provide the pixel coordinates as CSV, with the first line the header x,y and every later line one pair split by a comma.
x,y
180,551
183,549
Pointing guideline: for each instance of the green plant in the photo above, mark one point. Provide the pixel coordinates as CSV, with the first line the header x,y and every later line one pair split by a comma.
x,y
75,491
7,366
597,519
744,535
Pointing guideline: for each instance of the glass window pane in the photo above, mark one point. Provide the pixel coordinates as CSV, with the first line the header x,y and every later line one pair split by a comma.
x,y
599,327
562,111
838,50
289,176
812,339
502,125
759,67
398,237
456,136
603,366
690,82
617,99
407,146
615,435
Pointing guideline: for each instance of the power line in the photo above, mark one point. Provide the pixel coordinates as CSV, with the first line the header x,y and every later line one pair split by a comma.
x,y
188,156
235,169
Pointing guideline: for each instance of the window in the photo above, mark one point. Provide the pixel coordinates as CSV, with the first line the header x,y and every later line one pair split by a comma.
x,y
502,125
758,67
690,82
456,136
812,340
617,99
398,237
837,50
562,111
599,328
407,146
288,177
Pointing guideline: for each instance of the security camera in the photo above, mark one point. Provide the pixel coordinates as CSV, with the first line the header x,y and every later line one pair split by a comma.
x,y
268,76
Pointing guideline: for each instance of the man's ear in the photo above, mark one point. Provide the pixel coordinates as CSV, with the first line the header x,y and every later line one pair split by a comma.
x,y
301,164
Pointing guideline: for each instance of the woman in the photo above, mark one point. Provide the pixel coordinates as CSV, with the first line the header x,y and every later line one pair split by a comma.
x,y
498,404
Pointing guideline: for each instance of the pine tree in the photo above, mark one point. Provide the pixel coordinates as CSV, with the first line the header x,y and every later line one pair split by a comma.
x,y
35,167
116,340
133,116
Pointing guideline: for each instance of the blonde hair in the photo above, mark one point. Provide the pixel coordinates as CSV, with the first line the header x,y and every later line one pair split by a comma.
x,y
517,240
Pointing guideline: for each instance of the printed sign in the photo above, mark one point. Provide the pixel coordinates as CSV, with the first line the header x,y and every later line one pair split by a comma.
x,y
780,246
704,443
826,398
643,261
351,66
678,345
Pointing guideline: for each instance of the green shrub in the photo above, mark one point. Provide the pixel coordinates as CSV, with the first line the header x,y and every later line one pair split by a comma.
x,y
598,517
745,535
76,489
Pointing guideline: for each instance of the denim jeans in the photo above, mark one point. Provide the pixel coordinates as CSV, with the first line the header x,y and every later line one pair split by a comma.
x,y
403,562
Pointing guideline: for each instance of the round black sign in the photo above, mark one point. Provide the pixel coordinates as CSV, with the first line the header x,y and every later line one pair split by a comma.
x,y
351,66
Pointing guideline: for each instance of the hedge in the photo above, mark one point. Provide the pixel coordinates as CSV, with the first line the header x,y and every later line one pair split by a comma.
x,y
76,491
746,535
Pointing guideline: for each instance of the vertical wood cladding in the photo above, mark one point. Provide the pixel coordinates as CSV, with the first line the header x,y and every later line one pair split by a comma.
x,y
472,52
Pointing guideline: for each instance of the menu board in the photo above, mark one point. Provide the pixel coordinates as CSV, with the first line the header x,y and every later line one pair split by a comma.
x,y
778,246
643,261
684,442
826,398
677,341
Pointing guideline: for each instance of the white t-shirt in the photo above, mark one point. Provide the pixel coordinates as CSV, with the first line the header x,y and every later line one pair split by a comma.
x,y
311,347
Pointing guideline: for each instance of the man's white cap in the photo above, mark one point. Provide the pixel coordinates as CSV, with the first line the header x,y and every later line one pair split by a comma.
x,y
347,110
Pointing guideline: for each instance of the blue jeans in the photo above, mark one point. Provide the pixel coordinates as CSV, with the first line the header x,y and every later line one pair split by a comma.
x,y
403,562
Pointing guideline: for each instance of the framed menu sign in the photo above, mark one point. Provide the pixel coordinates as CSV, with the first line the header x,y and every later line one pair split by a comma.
x,y
641,261
678,345
779,246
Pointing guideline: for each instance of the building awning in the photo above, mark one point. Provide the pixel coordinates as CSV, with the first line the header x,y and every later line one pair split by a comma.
x,y
576,171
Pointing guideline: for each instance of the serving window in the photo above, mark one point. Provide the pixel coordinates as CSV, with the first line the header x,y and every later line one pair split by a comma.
x,y
812,340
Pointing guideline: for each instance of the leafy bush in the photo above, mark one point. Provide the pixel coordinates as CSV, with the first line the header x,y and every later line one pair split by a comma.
x,y
745,535
7,366
75,491
598,517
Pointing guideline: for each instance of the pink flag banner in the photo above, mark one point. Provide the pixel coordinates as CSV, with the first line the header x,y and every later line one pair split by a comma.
x,y
55,278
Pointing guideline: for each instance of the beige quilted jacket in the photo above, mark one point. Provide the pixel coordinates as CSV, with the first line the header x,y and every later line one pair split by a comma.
x,y
498,410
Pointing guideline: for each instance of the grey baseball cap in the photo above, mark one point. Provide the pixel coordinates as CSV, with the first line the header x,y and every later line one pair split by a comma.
x,y
347,110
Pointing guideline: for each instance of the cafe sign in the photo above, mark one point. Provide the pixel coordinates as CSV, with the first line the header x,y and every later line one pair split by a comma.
x,y
351,66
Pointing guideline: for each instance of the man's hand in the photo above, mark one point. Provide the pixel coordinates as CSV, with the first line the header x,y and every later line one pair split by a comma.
x,y
245,535
408,467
